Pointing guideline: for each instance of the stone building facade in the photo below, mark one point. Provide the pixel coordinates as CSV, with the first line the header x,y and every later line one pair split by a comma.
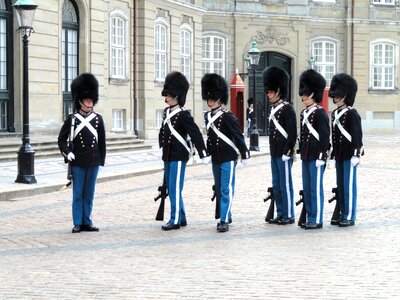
x,y
130,45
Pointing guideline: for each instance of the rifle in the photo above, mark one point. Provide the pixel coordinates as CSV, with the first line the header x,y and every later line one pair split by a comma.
x,y
271,209
70,146
302,218
336,212
163,193
217,203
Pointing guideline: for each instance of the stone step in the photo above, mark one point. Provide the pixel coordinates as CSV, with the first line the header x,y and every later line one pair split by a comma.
x,y
46,147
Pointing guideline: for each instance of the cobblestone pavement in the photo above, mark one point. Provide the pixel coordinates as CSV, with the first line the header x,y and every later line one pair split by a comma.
x,y
131,258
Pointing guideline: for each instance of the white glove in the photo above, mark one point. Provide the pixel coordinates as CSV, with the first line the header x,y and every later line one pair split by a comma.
x,y
206,160
319,163
160,152
285,157
245,162
354,161
71,156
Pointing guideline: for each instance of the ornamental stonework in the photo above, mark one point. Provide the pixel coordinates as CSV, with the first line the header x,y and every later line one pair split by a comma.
x,y
271,35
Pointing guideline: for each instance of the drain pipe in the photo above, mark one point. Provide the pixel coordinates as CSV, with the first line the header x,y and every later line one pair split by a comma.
x,y
352,37
134,82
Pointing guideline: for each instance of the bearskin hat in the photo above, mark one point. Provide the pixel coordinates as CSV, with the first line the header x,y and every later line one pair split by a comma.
x,y
250,101
312,83
176,85
84,86
343,85
214,86
277,80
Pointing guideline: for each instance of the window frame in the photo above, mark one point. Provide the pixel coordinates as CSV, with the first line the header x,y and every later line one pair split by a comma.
x,y
375,2
68,103
212,61
392,66
160,74
321,67
118,115
123,47
7,93
188,57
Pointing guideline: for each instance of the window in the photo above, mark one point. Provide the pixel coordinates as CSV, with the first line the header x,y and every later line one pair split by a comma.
x,y
69,52
213,55
118,46
383,65
383,2
3,54
324,54
118,116
6,67
186,53
159,118
161,50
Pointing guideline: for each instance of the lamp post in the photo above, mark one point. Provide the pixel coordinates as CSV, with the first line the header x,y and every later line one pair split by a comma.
x,y
311,62
253,60
25,10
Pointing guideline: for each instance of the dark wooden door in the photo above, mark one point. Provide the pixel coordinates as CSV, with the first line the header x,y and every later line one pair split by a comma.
x,y
262,106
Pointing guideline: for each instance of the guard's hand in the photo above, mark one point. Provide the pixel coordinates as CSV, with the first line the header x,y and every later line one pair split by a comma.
x,y
71,156
285,157
206,160
319,163
245,162
354,161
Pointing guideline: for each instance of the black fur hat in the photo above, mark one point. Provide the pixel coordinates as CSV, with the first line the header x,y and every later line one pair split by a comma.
x,y
277,80
214,86
250,101
176,85
312,83
343,85
84,86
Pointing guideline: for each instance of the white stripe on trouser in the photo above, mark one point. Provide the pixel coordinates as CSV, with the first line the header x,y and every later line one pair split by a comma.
x,y
288,195
318,191
177,191
350,193
231,172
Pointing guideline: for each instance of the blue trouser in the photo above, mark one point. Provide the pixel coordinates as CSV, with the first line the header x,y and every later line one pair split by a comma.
x,y
346,180
313,191
174,172
282,186
224,180
249,127
83,186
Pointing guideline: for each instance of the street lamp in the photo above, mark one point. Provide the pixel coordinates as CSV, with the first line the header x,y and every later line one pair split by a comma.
x,y
254,58
311,62
25,10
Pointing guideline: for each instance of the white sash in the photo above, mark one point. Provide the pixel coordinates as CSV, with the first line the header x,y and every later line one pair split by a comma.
x,y
339,125
173,131
276,123
85,122
222,136
306,114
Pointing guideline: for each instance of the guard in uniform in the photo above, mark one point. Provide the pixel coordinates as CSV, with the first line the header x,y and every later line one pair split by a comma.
x,y
225,142
314,146
282,140
347,146
87,151
250,115
178,125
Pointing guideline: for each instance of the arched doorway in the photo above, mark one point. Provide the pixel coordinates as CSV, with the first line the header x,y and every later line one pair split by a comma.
x,y
267,59
70,52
